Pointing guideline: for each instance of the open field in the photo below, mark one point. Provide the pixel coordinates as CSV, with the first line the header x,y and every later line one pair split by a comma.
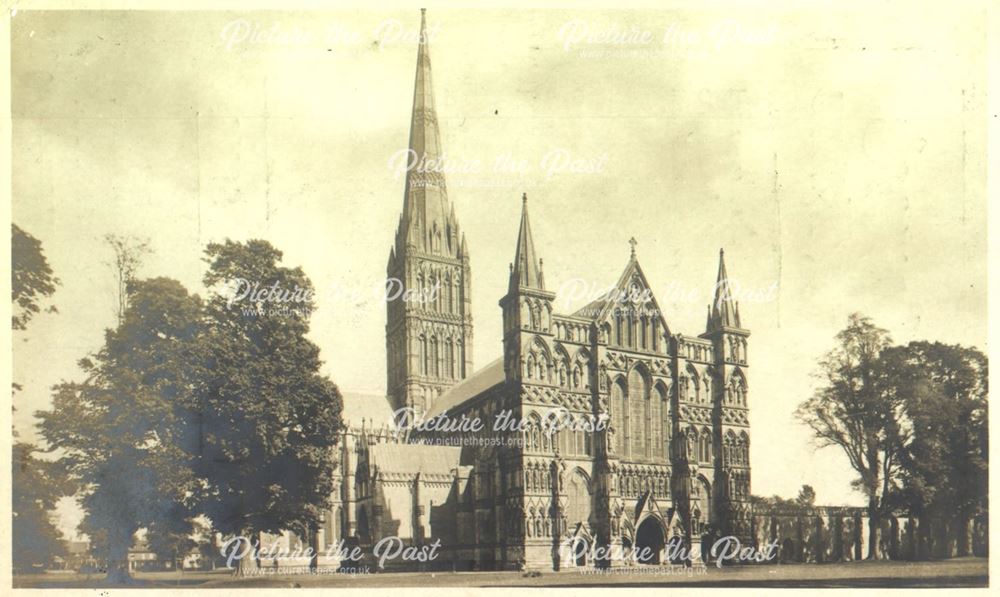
x,y
960,572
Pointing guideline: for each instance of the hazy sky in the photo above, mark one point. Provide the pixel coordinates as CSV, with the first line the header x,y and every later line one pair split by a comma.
x,y
838,156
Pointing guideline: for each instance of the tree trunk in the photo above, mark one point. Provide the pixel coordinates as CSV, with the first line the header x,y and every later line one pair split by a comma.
x,y
924,538
963,530
313,535
118,572
874,530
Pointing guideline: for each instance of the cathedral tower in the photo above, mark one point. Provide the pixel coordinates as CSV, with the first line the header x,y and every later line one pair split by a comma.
x,y
527,306
428,331
729,408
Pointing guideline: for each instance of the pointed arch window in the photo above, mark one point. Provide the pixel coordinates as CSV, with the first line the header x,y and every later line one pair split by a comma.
x,y
638,397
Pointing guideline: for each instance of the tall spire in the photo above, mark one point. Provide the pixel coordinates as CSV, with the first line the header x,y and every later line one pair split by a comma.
x,y
723,311
430,251
527,271
429,219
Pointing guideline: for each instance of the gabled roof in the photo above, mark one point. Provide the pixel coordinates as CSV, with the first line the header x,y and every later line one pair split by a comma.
x,y
472,386
600,309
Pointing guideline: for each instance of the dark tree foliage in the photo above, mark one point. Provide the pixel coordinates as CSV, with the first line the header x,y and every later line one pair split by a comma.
x,y
269,418
31,277
806,497
36,485
945,465
127,433
805,500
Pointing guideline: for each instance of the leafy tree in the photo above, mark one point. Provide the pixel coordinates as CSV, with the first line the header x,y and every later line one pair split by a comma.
x,y
127,433
806,497
36,485
269,419
857,408
31,277
945,465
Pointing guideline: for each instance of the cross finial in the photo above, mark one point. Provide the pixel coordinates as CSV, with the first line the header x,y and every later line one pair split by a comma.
x,y
633,243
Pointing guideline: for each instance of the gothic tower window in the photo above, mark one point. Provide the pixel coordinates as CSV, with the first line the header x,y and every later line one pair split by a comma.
x,y
705,447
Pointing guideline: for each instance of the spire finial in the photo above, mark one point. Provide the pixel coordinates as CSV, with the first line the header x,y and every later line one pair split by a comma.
x,y
524,198
632,242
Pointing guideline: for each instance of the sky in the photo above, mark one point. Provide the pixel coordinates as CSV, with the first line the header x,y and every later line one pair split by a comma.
x,y
840,161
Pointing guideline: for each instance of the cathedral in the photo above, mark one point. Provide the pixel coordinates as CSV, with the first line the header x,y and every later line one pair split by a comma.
x,y
632,438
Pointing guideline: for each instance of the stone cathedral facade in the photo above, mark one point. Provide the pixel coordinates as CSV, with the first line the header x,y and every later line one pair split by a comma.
x,y
635,437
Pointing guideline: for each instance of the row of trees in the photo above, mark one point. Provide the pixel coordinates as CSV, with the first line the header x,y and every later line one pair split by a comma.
x,y
192,410
912,421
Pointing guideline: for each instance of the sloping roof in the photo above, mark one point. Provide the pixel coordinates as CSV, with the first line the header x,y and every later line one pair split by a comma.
x,y
469,388
591,310
414,458
373,408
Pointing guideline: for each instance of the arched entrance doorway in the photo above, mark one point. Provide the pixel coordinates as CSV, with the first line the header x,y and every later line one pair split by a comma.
x,y
649,541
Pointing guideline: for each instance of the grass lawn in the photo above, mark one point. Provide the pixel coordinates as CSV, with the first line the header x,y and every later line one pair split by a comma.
x,y
959,572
